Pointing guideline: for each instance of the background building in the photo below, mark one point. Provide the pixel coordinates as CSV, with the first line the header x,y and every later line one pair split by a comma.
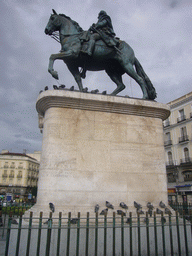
x,y
178,149
19,175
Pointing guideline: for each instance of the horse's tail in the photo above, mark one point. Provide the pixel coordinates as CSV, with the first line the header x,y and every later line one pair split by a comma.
x,y
150,89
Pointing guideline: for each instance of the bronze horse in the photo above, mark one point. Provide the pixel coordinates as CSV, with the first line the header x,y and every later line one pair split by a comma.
x,y
114,62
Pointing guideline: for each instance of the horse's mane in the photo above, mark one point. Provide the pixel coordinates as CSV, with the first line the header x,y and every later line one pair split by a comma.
x,y
79,29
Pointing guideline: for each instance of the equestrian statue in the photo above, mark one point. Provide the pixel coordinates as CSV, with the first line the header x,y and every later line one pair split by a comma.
x,y
96,49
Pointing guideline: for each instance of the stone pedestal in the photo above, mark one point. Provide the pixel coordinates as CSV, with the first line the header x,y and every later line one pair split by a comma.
x,y
99,148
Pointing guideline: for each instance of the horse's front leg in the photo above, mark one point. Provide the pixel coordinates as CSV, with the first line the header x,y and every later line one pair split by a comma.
x,y
50,67
59,56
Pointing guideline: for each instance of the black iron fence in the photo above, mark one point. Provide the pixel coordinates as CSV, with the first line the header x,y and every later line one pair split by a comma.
x,y
160,234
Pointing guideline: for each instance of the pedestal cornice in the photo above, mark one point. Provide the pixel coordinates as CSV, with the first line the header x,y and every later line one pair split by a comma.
x,y
97,102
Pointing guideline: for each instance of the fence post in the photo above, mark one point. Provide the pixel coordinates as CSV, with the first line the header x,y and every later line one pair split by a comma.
x,y
49,234
163,232
155,234
8,234
131,234
96,233
59,233
29,233
185,235
18,235
87,236
139,234
68,233
78,234
39,234
147,234
113,233
178,233
171,235
122,235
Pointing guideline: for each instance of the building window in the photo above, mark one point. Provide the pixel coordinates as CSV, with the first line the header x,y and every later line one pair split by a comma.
x,y
170,158
19,176
184,136
11,175
187,175
182,116
4,175
168,140
186,154
12,165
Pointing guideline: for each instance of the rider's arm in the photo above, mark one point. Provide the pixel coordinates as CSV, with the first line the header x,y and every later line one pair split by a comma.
x,y
101,24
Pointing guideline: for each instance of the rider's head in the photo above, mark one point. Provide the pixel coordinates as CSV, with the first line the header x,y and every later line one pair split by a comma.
x,y
102,13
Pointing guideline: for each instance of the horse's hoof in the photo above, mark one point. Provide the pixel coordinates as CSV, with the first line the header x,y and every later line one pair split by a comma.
x,y
55,75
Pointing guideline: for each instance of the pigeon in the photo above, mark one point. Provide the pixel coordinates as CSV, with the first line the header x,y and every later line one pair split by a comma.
x,y
104,92
162,205
140,211
145,220
120,212
128,220
52,207
167,211
85,89
150,212
13,221
74,221
95,91
123,205
96,208
188,217
163,219
150,206
103,212
138,206
109,205
61,87
55,87
41,91
158,211
46,222
46,88
72,88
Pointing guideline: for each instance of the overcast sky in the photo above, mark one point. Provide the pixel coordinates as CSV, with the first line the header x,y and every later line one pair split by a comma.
x,y
159,31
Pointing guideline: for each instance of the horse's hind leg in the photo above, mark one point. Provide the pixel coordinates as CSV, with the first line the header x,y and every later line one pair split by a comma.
x,y
116,78
131,72
75,72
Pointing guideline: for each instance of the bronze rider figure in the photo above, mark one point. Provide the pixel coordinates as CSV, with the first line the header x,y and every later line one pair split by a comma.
x,y
103,29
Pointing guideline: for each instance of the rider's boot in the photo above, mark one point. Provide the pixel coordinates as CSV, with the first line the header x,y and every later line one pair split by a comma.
x,y
90,47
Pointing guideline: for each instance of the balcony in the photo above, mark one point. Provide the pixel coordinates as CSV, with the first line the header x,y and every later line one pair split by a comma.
x,y
4,175
171,179
19,176
188,178
12,166
183,138
181,118
11,176
167,143
186,160
20,167
6,166
171,163
166,123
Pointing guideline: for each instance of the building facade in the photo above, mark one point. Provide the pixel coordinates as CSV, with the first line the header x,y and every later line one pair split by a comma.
x,y
18,175
178,149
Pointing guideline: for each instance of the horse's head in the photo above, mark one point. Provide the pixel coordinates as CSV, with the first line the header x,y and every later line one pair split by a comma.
x,y
53,24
